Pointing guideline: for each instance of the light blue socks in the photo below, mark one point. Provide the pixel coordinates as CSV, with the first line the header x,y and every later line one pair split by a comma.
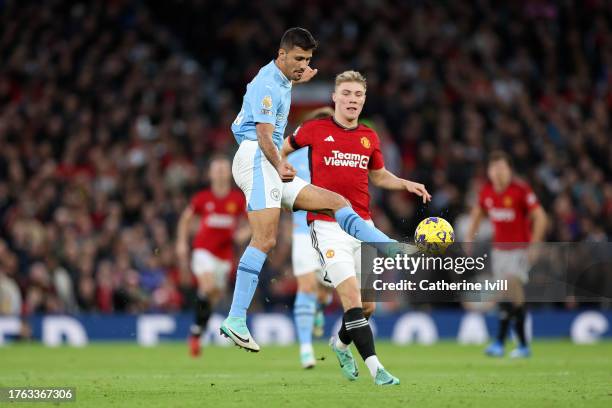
x,y
304,313
356,226
247,277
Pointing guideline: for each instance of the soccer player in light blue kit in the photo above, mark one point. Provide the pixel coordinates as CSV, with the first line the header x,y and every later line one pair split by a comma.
x,y
307,309
269,182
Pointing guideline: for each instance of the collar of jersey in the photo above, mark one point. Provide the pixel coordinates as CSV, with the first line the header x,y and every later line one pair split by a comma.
x,y
278,73
342,126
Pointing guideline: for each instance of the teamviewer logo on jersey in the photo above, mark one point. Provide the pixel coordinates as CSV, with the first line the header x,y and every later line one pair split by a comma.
x,y
502,214
340,159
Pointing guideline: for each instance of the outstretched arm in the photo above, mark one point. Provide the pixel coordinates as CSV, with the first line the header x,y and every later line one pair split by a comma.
x,y
383,178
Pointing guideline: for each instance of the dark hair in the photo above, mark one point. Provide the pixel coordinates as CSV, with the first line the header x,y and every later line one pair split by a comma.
x,y
298,37
497,155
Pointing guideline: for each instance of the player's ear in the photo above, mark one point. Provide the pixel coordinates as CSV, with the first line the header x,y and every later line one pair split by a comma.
x,y
334,96
282,54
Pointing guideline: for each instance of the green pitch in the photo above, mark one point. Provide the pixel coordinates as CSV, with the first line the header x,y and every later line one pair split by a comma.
x,y
444,375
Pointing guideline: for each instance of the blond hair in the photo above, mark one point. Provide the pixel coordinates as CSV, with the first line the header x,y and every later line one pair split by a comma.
x,y
350,76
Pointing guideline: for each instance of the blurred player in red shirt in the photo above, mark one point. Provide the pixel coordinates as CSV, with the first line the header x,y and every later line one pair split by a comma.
x,y
518,220
344,156
220,208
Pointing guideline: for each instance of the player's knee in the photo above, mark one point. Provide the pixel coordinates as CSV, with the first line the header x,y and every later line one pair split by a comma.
x,y
336,202
333,202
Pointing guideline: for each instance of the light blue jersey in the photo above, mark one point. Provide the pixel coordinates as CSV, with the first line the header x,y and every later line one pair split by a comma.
x,y
299,160
267,100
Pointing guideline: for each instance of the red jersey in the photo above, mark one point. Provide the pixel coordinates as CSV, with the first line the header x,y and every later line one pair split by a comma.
x,y
340,159
219,217
509,210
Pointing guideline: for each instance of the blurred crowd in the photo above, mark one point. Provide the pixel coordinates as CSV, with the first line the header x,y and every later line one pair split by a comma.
x,y
104,135
110,110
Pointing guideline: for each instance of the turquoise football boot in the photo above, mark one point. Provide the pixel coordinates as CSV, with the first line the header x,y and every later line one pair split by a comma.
x,y
383,377
236,330
346,360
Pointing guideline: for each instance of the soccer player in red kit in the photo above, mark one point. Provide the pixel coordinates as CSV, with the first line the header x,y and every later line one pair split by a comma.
x,y
343,154
518,219
220,209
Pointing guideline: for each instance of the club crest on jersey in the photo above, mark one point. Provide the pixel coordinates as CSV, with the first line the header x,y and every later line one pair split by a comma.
x,y
231,207
507,201
275,194
365,142
330,253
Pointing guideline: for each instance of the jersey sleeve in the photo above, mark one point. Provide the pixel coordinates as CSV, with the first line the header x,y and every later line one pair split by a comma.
x,y
531,200
264,100
481,199
302,136
377,160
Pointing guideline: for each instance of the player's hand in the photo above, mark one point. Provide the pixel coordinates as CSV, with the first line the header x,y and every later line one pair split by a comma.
x,y
418,189
533,254
286,171
307,75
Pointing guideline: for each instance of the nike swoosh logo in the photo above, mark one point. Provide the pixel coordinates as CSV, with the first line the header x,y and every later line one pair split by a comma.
x,y
388,382
340,361
237,336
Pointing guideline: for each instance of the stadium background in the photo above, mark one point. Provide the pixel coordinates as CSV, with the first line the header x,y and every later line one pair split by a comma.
x,y
110,110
